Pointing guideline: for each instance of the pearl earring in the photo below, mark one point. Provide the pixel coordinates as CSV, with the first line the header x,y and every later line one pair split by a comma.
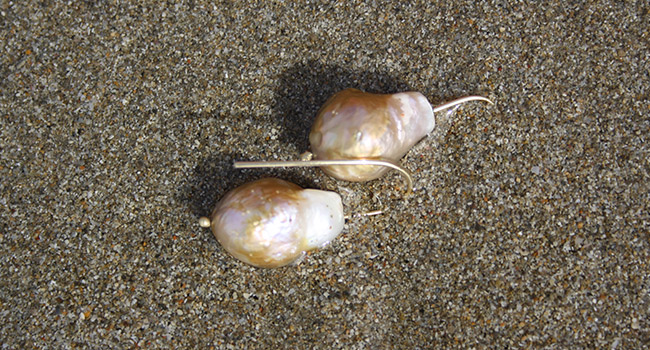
x,y
359,136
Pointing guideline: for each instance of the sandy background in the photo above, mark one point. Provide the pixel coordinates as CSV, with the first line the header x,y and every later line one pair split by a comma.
x,y
529,226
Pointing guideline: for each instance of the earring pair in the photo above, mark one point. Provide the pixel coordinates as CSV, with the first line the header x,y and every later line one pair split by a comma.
x,y
356,136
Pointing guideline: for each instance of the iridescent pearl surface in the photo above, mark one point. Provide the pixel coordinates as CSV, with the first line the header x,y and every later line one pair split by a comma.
x,y
354,124
272,222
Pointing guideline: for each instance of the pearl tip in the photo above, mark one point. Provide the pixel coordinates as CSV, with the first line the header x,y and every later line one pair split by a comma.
x,y
204,222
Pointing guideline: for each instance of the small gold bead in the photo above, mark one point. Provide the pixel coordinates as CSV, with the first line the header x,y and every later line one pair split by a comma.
x,y
204,222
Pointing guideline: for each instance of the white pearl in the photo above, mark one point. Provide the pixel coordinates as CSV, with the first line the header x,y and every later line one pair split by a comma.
x,y
271,222
359,136
358,125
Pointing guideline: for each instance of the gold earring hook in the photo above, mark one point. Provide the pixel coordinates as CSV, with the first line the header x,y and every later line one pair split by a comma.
x,y
327,162
460,101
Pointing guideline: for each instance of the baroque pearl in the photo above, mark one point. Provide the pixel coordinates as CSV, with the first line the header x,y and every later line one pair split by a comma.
x,y
272,222
359,136
358,125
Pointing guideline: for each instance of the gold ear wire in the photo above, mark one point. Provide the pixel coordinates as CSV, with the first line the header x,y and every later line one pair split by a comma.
x,y
327,162
368,213
460,101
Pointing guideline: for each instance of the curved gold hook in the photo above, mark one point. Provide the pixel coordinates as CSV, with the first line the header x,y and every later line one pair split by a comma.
x,y
327,162
460,101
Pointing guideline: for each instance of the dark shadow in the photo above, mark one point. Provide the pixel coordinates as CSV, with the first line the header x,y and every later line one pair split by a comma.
x,y
304,88
301,91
